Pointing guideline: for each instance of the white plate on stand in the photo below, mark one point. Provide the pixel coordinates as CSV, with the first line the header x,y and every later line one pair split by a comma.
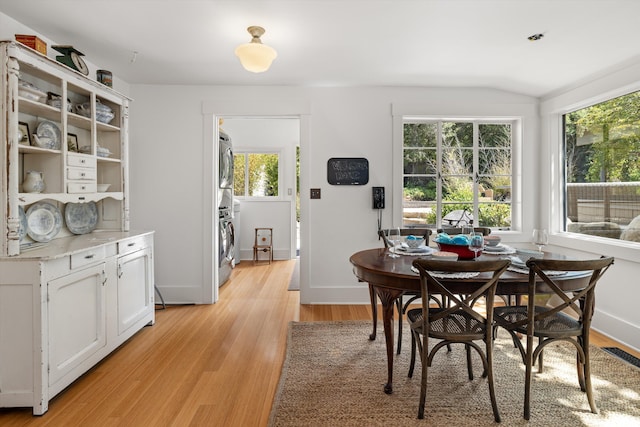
x,y
44,221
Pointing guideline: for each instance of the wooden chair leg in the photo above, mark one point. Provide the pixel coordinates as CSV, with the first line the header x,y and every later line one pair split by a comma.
x,y
399,308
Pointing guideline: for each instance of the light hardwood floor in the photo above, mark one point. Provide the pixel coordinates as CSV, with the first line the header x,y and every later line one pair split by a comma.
x,y
204,365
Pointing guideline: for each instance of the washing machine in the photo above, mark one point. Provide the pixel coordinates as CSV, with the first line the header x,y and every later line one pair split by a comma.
x,y
226,243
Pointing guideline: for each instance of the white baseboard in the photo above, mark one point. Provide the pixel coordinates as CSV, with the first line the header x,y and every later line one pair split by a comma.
x,y
616,328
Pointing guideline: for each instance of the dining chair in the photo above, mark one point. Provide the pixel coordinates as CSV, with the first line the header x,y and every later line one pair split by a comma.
x,y
567,317
458,322
263,242
457,230
383,235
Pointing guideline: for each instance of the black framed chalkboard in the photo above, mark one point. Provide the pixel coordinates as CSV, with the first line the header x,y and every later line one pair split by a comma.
x,y
348,171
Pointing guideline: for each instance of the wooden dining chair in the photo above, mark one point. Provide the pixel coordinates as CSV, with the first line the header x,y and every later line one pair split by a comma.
x,y
263,242
456,323
568,319
457,230
401,308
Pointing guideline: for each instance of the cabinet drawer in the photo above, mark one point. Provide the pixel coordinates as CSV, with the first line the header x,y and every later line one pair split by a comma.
x,y
80,160
131,245
81,188
81,174
87,257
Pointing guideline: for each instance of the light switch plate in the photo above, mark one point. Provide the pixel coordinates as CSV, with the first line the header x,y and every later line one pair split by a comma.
x,y
315,193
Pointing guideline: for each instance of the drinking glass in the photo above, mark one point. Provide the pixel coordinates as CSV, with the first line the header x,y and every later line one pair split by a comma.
x,y
540,238
467,230
476,243
395,239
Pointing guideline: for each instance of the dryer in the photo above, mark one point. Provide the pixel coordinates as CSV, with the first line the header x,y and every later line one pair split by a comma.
x,y
225,169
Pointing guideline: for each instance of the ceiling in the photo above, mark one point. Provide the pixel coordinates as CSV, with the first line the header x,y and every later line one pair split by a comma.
x,y
450,43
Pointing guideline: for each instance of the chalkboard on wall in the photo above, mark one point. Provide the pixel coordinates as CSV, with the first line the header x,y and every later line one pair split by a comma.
x,y
348,171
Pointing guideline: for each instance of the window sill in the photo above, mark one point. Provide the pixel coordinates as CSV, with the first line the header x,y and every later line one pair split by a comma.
x,y
622,249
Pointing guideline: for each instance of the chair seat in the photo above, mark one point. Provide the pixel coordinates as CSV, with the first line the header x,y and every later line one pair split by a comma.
x,y
458,325
558,325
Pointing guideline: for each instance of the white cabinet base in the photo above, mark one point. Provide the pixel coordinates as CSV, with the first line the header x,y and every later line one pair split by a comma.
x,y
60,315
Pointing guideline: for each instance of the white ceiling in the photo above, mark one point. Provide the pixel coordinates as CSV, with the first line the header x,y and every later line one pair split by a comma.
x,y
460,43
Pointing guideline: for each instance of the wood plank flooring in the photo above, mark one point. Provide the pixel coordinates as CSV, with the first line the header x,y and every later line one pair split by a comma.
x,y
199,365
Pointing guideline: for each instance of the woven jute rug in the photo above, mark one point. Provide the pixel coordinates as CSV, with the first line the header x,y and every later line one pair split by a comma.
x,y
334,376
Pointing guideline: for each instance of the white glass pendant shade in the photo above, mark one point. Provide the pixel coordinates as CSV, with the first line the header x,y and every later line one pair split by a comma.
x,y
255,56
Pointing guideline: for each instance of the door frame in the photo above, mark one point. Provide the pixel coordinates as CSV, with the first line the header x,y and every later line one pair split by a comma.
x,y
212,111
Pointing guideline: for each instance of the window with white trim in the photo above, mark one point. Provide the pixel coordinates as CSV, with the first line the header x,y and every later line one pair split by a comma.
x,y
602,169
256,174
455,171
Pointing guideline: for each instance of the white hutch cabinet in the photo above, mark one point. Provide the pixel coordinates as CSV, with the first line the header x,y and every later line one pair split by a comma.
x,y
68,301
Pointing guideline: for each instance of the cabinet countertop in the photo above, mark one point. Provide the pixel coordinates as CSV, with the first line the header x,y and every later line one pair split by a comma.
x,y
64,246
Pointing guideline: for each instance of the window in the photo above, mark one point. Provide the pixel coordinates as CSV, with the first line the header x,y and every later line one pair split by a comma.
x,y
255,174
457,170
602,169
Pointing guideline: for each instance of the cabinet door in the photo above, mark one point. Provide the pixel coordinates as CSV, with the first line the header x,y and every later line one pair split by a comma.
x,y
134,288
77,327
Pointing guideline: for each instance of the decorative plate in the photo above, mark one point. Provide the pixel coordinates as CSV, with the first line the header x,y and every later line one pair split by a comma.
x,y
422,250
22,230
51,131
81,218
44,221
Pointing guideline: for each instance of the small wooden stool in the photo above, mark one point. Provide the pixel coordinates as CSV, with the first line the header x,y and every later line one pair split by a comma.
x,y
263,243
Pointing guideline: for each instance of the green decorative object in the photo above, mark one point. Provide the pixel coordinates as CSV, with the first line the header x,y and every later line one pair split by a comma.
x,y
72,58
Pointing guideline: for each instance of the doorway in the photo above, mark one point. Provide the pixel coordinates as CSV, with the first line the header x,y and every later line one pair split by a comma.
x,y
268,194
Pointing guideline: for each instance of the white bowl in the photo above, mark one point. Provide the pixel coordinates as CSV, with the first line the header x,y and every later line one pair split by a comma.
x,y
414,242
103,187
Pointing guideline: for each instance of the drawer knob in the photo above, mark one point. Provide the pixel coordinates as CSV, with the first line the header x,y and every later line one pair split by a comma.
x,y
89,256
131,244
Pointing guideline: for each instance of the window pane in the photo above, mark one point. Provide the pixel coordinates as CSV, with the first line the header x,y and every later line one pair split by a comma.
x,y
602,147
239,170
420,161
419,200
494,135
263,174
420,134
495,214
494,161
457,135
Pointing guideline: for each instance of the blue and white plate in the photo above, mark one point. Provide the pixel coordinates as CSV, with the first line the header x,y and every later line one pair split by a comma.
x,y
50,132
44,221
81,218
22,230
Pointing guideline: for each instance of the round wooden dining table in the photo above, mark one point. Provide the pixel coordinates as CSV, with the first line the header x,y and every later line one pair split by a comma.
x,y
390,277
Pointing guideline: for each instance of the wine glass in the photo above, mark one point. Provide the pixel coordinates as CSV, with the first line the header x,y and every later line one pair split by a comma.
x,y
476,243
540,238
467,230
395,239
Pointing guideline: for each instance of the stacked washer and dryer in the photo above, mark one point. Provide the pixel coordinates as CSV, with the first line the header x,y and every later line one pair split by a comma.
x,y
226,230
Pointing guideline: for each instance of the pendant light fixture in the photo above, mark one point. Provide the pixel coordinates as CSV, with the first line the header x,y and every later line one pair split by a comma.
x,y
255,56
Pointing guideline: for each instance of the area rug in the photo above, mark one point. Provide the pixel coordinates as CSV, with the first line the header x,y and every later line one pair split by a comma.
x,y
333,375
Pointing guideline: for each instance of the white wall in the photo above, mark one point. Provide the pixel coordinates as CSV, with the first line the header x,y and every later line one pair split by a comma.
x,y
280,135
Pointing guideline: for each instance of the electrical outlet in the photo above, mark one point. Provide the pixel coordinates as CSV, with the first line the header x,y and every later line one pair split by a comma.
x,y
315,193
